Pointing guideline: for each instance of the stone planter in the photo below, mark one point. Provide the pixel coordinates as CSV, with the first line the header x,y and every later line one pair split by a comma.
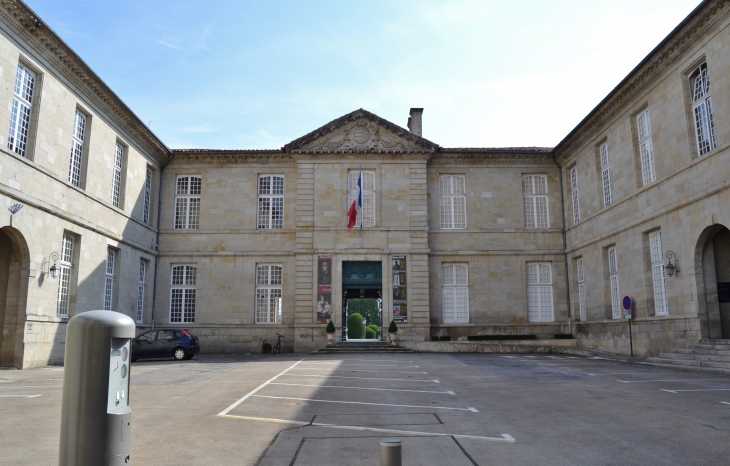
x,y
330,338
392,337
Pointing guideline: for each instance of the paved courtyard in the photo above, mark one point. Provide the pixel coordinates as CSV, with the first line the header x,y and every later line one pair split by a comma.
x,y
303,409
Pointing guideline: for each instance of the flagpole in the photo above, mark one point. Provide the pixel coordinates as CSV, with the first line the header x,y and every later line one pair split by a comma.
x,y
362,206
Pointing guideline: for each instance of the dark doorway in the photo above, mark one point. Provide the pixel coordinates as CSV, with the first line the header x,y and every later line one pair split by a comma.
x,y
14,263
362,295
715,250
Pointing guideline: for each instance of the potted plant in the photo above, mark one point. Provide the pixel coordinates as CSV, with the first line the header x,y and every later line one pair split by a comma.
x,y
330,332
392,331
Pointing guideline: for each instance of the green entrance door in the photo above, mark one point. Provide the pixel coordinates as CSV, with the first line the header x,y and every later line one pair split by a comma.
x,y
362,304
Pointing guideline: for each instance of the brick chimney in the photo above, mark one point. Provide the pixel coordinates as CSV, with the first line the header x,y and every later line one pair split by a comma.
x,y
415,121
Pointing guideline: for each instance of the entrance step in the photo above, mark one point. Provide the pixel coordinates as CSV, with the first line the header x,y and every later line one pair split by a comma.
x,y
706,356
362,347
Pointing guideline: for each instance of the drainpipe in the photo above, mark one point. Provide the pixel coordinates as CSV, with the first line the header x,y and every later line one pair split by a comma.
x,y
565,243
157,247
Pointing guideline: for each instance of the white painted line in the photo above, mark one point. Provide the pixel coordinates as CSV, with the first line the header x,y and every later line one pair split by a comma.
x,y
30,386
360,388
357,370
505,437
19,396
359,378
698,390
369,365
249,394
675,380
725,402
51,369
511,357
473,410
371,360
529,356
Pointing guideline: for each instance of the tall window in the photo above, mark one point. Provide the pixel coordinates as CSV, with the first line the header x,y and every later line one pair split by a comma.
x,y
268,294
646,150
187,203
64,275
147,196
109,279
613,283
452,189
368,196
117,174
702,110
77,149
182,294
657,273
535,201
605,175
271,202
539,293
581,290
21,110
574,192
140,289
455,293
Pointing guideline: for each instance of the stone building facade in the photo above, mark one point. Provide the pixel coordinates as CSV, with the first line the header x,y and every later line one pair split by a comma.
x,y
239,245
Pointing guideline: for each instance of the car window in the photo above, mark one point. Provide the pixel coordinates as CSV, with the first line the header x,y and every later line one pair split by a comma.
x,y
166,335
149,336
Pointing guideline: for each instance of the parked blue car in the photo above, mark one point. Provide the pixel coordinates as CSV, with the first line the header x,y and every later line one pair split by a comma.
x,y
165,342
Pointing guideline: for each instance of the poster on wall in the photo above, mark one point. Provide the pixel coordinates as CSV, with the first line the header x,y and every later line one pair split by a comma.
x,y
400,301
324,289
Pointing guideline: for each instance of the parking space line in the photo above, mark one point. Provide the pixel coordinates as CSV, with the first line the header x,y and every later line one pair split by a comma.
x,y
360,378
361,388
675,380
31,386
51,369
370,360
505,437
357,370
725,402
473,410
697,390
19,396
369,365
249,394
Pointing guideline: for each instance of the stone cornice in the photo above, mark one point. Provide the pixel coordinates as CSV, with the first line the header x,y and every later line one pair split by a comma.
x,y
35,33
192,158
375,155
705,17
490,158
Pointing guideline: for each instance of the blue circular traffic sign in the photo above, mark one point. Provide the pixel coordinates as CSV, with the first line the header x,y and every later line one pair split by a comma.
x,y
627,303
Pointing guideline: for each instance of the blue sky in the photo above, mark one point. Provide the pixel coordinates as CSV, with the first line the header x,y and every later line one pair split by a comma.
x,y
253,75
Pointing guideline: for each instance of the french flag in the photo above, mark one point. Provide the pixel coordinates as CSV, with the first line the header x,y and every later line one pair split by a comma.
x,y
356,204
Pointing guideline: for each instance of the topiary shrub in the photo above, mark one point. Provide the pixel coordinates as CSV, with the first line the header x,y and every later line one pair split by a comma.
x,y
330,327
392,328
369,333
375,329
355,327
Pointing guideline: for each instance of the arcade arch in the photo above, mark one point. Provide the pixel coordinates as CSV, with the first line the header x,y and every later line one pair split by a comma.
x,y
14,274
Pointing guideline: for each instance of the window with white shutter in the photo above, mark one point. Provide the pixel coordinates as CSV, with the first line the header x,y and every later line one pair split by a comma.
x,y
182,294
454,293
65,267
109,278
581,290
646,150
452,191
702,110
606,175
268,294
187,203
21,109
539,293
140,289
368,196
271,202
657,273
147,196
613,283
77,149
535,201
574,192
117,174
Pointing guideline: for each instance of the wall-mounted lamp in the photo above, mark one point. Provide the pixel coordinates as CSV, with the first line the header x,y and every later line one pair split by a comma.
x,y
53,271
670,268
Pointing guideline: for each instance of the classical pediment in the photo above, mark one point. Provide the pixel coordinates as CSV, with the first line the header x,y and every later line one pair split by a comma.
x,y
360,131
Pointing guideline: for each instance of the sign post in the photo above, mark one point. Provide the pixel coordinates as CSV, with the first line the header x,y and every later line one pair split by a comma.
x,y
627,307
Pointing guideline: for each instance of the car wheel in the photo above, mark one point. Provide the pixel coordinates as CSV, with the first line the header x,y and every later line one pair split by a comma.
x,y
179,354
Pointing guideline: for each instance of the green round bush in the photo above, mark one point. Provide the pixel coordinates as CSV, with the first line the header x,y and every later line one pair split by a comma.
x,y
375,328
355,327
369,333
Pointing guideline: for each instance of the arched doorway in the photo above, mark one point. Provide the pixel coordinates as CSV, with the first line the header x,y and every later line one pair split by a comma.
x,y
14,273
713,283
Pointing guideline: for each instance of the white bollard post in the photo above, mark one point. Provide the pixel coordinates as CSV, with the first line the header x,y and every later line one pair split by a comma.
x,y
390,452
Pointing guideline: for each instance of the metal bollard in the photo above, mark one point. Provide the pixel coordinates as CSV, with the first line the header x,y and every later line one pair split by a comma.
x,y
390,452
